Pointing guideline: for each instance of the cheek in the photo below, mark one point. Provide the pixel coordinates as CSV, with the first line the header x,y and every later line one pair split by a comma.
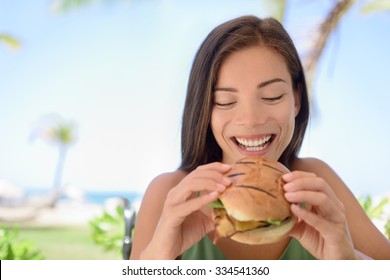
x,y
289,120
215,126
290,128
286,119
217,123
213,122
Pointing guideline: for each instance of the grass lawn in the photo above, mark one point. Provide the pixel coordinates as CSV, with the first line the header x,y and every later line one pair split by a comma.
x,y
66,243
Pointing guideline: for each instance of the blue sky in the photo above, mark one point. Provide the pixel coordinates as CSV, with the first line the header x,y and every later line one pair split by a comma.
x,y
120,70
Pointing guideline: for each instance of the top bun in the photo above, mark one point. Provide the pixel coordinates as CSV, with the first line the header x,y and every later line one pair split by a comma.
x,y
256,193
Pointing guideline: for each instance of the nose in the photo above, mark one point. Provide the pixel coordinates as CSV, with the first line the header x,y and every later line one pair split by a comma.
x,y
250,114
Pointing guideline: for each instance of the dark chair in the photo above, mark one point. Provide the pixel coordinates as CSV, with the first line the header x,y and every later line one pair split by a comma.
x,y
129,215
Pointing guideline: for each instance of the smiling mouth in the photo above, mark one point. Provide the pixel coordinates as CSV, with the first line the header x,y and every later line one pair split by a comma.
x,y
254,144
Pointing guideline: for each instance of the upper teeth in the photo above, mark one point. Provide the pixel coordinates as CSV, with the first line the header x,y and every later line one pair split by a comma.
x,y
253,142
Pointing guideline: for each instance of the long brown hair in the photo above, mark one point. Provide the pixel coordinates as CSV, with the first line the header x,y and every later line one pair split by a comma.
x,y
198,145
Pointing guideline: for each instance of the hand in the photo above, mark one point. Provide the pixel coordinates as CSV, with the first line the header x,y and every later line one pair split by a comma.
x,y
322,228
182,223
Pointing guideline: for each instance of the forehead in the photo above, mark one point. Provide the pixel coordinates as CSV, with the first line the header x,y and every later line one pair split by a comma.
x,y
258,63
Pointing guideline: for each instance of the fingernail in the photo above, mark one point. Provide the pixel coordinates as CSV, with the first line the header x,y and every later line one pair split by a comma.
x,y
288,195
287,186
221,187
226,181
295,205
226,166
287,176
214,194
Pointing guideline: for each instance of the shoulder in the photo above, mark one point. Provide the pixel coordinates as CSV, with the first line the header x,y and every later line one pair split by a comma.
x,y
313,165
318,167
165,182
151,208
159,187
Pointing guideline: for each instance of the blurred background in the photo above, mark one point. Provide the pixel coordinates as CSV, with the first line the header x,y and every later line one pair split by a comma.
x,y
92,91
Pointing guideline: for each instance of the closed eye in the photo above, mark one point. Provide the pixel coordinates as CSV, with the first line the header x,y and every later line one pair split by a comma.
x,y
224,105
273,99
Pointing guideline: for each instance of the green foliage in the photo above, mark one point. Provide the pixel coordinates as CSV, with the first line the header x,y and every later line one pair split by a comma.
x,y
65,5
277,8
387,228
373,211
108,230
377,211
60,6
13,248
54,129
66,242
376,6
9,41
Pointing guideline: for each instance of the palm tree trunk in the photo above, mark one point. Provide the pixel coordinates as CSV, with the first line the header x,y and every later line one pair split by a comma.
x,y
57,183
325,30
60,167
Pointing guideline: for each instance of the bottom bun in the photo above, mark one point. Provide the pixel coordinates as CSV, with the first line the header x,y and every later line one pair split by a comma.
x,y
266,235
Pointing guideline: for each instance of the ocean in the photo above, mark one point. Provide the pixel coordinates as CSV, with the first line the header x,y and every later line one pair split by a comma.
x,y
101,197
95,197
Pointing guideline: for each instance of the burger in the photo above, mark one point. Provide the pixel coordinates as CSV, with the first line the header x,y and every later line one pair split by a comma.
x,y
253,210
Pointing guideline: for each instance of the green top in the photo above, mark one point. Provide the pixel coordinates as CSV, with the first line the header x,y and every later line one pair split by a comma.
x,y
206,250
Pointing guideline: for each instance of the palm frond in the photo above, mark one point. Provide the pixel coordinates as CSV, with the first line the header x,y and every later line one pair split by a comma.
x,y
10,41
373,210
62,6
326,28
277,8
54,129
376,6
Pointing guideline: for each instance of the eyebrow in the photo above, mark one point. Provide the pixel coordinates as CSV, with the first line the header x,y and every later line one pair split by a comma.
x,y
261,85
266,83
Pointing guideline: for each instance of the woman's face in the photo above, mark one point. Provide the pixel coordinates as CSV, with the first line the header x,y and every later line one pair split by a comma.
x,y
254,105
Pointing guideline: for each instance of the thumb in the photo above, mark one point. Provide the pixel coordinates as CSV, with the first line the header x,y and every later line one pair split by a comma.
x,y
208,224
298,230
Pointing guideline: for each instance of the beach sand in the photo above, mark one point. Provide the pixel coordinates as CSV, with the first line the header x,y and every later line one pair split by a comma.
x,y
64,213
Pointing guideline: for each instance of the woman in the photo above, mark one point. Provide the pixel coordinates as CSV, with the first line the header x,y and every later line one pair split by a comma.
x,y
247,96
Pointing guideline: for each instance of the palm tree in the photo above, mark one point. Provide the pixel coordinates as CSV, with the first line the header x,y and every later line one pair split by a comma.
x,y
328,25
55,130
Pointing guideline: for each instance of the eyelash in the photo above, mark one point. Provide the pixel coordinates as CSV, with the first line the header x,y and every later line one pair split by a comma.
x,y
270,99
273,99
225,104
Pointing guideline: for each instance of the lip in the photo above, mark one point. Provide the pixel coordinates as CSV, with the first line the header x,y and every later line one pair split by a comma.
x,y
253,138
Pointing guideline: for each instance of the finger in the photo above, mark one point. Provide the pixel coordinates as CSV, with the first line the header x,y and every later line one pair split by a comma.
x,y
217,166
176,214
314,198
192,205
325,227
309,218
180,194
321,202
211,174
296,174
201,179
309,183
298,230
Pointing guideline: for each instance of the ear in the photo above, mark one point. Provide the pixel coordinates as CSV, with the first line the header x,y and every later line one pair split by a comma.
x,y
297,99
